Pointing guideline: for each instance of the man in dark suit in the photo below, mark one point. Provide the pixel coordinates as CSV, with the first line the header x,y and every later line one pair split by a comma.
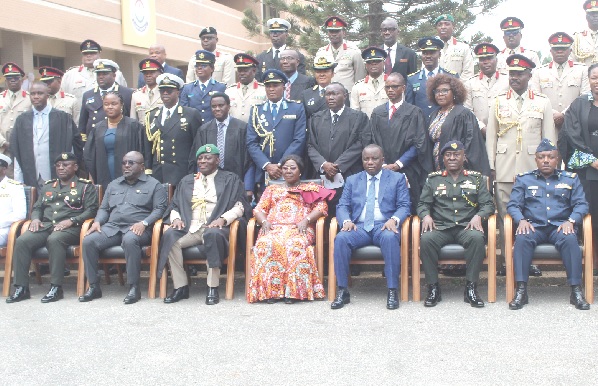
x,y
39,136
276,129
169,134
399,58
198,93
371,210
158,52
313,98
92,109
229,134
289,60
335,139
279,32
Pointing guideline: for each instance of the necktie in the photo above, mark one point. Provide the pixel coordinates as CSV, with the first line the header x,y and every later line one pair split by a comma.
x,y
244,89
220,143
274,111
203,88
393,110
204,181
167,114
103,93
151,94
369,205
559,69
375,83
334,119
276,52
511,52
519,102
387,64
287,90
322,92
13,98
430,74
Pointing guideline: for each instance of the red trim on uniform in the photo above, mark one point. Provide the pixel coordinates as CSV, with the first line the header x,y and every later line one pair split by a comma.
x,y
465,172
24,93
570,63
80,68
62,94
444,173
217,54
585,33
454,41
54,185
550,65
367,78
255,84
503,51
521,49
531,94
509,93
385,76
497,74
238,85
344,46
4,93
481,75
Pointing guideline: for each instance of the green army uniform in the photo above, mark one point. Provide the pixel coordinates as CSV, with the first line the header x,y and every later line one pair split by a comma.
x,y
77,201
452,204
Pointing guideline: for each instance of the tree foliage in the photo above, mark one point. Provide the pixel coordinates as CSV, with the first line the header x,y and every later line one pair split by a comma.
x,y
415,18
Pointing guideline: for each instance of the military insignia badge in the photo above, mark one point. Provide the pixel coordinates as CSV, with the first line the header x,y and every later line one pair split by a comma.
x,y
65,156
454,145
201,55
74,192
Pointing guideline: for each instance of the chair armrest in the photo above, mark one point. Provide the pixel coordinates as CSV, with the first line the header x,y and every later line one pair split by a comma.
x,y
320,247
332,231
415,261
232,259
508,253
251,235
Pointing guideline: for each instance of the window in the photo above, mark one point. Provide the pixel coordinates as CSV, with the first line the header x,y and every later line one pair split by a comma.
x,y
39,61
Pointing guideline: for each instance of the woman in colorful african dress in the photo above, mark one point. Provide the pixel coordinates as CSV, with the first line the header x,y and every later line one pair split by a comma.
x,y
283,265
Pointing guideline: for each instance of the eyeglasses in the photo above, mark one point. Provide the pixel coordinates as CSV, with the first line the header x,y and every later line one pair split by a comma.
x,y
442,91
63,164
512,32
388,29
393,86
286,58
129,162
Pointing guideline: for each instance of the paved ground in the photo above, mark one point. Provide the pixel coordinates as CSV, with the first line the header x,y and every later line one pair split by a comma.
x,y
105,342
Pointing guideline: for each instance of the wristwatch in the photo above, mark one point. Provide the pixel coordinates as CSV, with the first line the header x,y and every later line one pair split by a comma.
x,y
73,220
571,220
145,224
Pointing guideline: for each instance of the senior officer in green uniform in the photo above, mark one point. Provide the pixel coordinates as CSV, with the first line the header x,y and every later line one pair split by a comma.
x,y
63,205
452,206
546,203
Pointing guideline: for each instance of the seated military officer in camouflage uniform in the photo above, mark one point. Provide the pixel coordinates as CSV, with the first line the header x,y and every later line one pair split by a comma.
x,y
63,205
546,203
452,206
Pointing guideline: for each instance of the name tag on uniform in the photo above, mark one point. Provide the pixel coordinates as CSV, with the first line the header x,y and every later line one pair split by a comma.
x,y
90,100
546,84
563,186
532,187
468,185
403,60
290,116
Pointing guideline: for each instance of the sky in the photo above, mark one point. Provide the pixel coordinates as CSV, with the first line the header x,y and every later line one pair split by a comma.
x,y
541,18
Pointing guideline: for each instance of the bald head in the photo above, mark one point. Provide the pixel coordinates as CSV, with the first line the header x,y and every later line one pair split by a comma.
x,y
158,52
389,30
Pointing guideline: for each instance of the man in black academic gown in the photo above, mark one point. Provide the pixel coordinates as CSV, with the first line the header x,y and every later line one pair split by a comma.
x,y
203,207
54,133
335,139
169,133
228,133
399,128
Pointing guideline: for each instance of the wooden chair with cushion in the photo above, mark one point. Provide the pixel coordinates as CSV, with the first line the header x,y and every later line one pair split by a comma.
x,y
547,254
14,231
453,254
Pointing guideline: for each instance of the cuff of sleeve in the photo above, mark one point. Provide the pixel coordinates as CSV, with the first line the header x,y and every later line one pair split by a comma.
x,y
322,167
397,220
346,221
399,164
148,171
266,164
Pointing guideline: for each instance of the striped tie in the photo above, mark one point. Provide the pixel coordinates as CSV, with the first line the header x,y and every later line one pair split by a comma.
x,y
220,143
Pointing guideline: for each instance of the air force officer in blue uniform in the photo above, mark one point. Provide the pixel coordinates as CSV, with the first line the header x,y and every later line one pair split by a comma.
x,y
198,94
547,204
276,128
373,206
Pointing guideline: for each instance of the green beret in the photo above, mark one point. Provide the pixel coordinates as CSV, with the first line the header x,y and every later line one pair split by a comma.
x,y
444,17
209,148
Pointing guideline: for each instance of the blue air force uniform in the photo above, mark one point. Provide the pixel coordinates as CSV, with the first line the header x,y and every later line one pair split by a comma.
x,y
192,95
416,90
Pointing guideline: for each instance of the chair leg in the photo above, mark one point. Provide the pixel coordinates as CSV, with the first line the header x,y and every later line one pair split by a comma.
x,y
38,275
230,278
164,282
80,278
107,274
121,280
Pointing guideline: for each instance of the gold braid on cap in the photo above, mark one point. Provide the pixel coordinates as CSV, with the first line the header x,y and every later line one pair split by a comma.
x,y
581,56
154,137
268,136
508,126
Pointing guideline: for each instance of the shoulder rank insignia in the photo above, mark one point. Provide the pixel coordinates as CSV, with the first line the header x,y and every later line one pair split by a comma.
x,y
439,173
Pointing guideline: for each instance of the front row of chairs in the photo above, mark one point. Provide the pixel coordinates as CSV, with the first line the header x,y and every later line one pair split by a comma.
x,y
410,230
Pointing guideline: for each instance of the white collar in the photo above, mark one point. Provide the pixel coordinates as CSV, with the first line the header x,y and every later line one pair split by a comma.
x,y
338,112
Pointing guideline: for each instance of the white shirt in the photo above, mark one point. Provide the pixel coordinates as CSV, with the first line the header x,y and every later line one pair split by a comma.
x,y
282,48
226,123
392,53
165,110
434,72
332,113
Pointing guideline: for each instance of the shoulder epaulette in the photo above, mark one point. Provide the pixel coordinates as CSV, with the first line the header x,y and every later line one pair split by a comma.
x,y
360,81
315,87
416,72
153,108
568,174
50,181
438,173
232,85
14,182
450,72
84,180
71,68
525,173
473,173
539,94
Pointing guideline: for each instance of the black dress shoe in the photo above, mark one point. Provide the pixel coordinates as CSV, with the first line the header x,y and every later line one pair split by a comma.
x,y
534,270
178,294
342,297
289,300
21,293
94,292
134,295
577,298
272,300
54,295
434,295
392,299
67,272
502,271
212,297
520,296
471,295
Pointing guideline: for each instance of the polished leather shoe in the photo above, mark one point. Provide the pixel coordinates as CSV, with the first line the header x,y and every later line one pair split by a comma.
x,y
178,294
534,270
577,298
94,292
133,296
502,271
289,300
434,295
212,297
54,295
392,299
342,297
21,293
520,296
471,295
272,300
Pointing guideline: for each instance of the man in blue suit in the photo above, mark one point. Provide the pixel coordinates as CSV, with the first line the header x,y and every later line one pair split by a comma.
x,y
198,94
276,128
416,82
373,206
158,52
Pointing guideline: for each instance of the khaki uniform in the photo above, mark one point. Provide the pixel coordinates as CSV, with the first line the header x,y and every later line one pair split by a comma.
x,y
564,89
457,57
350,68
365,97
224,69
585,47
67,103
9,111
13,206
481,92
241,104
141,101
79,79
504,54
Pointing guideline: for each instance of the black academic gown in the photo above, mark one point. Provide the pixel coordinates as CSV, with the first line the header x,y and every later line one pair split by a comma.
x,y
63,137
462,125
229,190
129,135
397,135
